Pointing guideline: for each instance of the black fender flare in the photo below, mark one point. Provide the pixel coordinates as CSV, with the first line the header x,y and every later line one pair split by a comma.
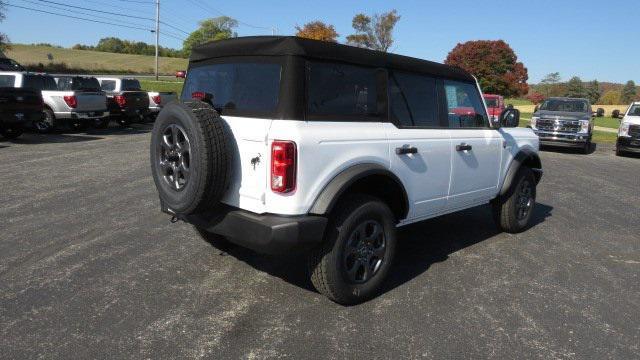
x,y
329,196
522,157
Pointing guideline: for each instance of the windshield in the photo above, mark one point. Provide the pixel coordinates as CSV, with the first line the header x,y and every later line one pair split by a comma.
x,y
491,102
130,85
634,110
86,84
565,105
238,87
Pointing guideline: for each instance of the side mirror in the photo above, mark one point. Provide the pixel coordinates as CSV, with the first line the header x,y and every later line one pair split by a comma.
x,y
510,118
535,110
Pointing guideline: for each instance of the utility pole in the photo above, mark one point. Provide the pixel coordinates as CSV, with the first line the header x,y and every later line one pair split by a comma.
x,y
157,34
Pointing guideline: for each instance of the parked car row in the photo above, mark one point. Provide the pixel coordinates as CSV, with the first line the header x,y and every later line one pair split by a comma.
x,y
74,102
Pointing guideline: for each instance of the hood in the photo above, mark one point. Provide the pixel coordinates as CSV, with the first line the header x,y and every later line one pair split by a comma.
x,y
634,120
563,115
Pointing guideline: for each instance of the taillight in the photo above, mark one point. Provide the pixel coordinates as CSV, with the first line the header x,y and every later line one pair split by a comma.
x,y
157,99
120,100
199,95
283,166
71,101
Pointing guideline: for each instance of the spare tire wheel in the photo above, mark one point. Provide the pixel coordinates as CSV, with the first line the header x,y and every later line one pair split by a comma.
x,y
190,158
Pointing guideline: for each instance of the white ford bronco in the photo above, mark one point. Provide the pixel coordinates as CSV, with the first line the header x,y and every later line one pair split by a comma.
x,y
284,144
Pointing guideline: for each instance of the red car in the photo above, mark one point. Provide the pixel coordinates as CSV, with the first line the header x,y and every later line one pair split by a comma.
x,y
495,105
181,74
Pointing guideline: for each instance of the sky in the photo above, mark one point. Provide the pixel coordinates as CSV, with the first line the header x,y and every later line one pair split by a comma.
x,y
589,39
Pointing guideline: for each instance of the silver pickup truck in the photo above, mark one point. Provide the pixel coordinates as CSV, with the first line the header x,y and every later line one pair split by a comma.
x,y
74,108
157,100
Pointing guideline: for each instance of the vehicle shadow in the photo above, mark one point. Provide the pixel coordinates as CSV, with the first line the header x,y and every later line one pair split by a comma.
x,y
571,150
420,245
34,138
118,130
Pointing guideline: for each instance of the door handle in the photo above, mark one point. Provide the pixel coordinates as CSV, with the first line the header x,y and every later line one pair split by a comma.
x,y
463,147
406,150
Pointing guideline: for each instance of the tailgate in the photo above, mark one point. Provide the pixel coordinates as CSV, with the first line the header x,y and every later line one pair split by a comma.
x,y
250,163
136,99
91,101
13,99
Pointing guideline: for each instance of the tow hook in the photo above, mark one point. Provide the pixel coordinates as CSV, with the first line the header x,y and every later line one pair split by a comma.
x,y
174,219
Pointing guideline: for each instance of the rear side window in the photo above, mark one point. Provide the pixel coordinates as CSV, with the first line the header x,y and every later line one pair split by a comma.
x,y
131,85
33,82
237,88
413,100
108,85
64,84
7,81
340,91
465,107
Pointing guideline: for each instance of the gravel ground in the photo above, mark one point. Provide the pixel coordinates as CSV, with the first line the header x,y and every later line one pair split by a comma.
x,y
90,268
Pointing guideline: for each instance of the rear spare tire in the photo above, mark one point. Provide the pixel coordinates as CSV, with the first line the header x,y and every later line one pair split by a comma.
x,y
190,157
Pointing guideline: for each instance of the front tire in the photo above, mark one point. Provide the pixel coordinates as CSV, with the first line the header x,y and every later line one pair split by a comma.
x,y
512,212
351,264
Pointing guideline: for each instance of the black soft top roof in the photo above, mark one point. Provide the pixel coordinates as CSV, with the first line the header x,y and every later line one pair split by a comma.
x,y
292,45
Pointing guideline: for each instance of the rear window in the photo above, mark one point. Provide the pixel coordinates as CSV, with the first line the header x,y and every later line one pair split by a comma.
x,y
491,102
341,92
131,85
86,84
108,85
7,80
237,88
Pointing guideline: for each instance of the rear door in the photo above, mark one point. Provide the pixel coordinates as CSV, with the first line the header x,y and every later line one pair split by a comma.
x,y
475,146
246,93
420,147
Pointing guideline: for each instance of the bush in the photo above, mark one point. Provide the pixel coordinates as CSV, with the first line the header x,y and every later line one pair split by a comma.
x,y
611,97
535,97
63,68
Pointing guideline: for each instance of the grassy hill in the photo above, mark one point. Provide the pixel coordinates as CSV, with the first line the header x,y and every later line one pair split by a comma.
x,y
94,61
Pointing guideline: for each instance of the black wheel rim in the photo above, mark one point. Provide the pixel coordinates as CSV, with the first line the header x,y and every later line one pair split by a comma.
x,y
45,122
364,252
525,200
174,160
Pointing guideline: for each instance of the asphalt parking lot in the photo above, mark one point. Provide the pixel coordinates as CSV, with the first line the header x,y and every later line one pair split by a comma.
x,y
90,268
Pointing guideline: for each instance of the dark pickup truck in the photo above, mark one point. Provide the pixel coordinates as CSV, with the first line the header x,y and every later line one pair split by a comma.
x,y
18,108
127,102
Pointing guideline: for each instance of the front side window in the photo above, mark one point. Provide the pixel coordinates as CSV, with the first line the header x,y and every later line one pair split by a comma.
x,y
634,110
237,88
338,91
413,100
108,85
7,80
465,107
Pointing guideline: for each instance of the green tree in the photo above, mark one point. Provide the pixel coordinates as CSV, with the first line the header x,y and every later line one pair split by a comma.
x,y
628,92
4,40
374,32
594,92
494,63
611,97
549,82
576,89
213,29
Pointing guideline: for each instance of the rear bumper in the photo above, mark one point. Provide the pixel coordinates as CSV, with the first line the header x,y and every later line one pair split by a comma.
x,y
267,233
18,118
628,144
563,139
82,115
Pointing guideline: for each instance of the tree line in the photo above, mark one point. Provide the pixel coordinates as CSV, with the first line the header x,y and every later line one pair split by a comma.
x,y
120,46
606,93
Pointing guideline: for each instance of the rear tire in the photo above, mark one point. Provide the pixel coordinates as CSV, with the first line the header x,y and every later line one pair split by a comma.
x,y
48,122
512,211
11,132
351,264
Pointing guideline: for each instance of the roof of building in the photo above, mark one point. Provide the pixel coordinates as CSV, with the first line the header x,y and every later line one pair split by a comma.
x,y
315,49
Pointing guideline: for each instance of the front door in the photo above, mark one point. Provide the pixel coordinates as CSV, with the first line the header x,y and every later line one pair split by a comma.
x,y
476,147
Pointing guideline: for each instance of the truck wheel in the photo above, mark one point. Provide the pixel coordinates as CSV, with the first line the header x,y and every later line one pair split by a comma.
x,y
217,241
356,254
11,132
47,123
586,149
190,157
513,211
101,123
77,125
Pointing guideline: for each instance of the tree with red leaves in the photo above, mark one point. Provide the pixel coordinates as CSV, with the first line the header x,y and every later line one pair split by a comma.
x,y
495,65
535,97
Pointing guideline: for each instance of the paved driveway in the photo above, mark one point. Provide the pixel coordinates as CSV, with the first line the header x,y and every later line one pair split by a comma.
x,y
89,268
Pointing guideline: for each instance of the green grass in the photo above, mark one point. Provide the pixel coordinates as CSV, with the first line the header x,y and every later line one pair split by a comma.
x,y
608,122
516,102
94,60
602,137
152,85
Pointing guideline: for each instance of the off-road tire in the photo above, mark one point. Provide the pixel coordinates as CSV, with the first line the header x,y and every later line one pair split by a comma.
x,y
505,210
217,241
326,263
11,132
209,158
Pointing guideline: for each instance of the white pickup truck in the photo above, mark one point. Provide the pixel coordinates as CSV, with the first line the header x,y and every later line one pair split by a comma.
x,y
74,108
